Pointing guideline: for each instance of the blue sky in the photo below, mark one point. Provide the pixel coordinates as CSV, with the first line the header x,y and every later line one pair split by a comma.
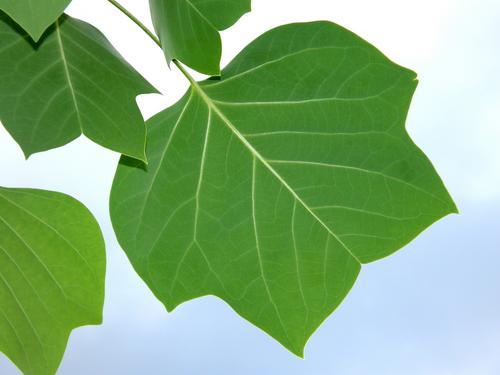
x,y
431,309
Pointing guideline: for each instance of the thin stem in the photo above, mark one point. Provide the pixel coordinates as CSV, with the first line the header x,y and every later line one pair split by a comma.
x,y
153,37
185,73
136,21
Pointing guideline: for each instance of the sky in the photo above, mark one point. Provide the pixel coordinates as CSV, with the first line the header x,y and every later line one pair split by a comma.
x,y
431,309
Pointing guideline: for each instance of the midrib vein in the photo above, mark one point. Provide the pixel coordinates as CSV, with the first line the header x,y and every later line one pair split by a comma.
x,y
202,173
211,105
67,74
200,14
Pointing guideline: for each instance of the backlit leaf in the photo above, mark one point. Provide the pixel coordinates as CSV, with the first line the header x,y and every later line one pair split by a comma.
x,y
271,187
189,29
72,82
34,16
52,265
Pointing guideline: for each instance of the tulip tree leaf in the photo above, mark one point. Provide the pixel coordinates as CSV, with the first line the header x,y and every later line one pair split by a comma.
x,y
52,265
271,187
34,16
72,82
189,29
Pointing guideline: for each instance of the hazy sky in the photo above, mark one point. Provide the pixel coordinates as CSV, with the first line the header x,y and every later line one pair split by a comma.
x,y
431,309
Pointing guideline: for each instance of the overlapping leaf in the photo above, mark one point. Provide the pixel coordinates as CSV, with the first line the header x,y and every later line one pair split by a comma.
x,y
270,187
189,29
52,266
72,82
34,16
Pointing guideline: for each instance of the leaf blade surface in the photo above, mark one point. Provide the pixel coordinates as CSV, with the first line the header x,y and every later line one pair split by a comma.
x,y
189,29
52,266
72,82
34,16
270,187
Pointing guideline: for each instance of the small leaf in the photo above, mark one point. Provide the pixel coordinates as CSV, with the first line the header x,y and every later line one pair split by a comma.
x,y
72,82
270,187
189,29
34,16
52,265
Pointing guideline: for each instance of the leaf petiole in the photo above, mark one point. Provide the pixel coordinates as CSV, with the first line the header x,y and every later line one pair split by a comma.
x,y
155,39
134,19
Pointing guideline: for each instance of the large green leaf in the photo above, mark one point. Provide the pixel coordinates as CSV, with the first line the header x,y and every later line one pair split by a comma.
x,y
72,82
189,29
52,265
34,16
270,187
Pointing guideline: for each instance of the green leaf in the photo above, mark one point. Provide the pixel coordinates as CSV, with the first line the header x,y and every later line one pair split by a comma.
x,y
270,187
72,82
34,16
52,266
189,29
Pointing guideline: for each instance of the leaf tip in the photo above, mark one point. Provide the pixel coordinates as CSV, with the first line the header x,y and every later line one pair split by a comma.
x,y
248,7
36,36
27,154
138,155
454,210
169,306
300,353
297,350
